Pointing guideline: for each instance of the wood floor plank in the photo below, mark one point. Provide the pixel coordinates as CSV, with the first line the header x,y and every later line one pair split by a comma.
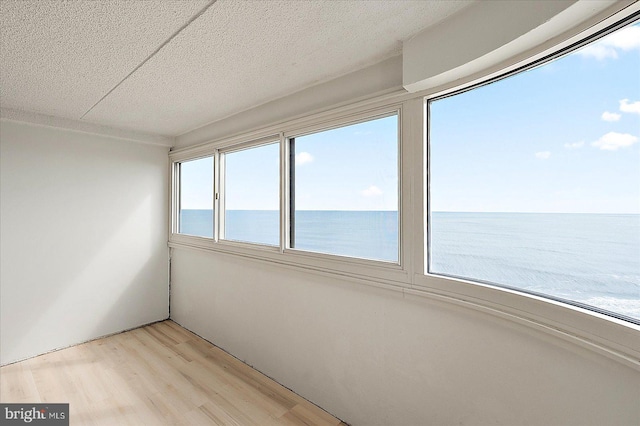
x,y
18,380
308,416
160,374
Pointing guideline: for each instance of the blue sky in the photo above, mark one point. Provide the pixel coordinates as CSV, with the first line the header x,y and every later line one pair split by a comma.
x,y
562,137
559,138
349,168
196,184
253,178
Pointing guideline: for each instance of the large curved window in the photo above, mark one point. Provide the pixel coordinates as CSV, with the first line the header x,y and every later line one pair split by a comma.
x,y
534,179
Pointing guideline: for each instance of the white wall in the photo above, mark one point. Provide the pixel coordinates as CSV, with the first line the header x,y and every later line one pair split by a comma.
x,y
383,77
373,356
83,237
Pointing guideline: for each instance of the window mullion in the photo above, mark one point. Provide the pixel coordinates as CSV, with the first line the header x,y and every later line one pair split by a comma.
x,y
218,195
285,167
175,226
291,240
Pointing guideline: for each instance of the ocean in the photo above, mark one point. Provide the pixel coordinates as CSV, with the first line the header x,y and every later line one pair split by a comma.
x,y
588,258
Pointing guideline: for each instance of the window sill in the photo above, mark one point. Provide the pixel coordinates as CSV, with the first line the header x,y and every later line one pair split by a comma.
x,y
385,274
612,337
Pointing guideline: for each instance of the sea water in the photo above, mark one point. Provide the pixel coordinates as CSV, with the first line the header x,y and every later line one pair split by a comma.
x,y
588,258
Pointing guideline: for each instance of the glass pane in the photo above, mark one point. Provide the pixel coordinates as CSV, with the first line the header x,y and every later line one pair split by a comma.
x,y
346,191
252,195
535,179
196,197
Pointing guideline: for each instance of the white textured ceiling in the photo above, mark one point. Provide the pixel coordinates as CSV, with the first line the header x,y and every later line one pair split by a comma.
x,y
166,67
61,58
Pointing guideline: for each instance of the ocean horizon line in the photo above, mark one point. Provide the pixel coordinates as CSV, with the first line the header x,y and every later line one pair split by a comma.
x,y
433,211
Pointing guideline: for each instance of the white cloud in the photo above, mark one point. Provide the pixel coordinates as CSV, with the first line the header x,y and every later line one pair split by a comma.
x,y
543,155
574,145
612,141
303,158
624,39
610,116
372,191
609,47
598,51
633,107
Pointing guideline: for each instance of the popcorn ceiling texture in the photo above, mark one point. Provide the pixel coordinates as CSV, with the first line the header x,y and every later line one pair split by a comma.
x,y
61,58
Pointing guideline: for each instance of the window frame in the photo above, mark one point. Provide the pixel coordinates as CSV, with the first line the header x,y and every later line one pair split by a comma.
x,y
556,321
429,99
338,124
175,198
220,178
394,272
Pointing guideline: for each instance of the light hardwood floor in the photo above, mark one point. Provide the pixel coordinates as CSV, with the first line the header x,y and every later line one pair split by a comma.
x,y
160,374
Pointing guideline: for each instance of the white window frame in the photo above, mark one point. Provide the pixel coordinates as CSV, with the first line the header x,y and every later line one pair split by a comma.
x,y
388,272
220,179
174,223
609,335
319,128
429,99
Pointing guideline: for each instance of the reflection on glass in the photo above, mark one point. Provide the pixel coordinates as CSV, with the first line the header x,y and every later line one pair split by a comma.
x,y
196,198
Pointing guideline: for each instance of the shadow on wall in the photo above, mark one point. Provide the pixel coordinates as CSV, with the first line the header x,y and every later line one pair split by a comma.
x,y
83,238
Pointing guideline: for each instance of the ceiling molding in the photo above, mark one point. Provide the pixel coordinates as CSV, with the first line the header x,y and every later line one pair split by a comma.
x,y
368,83
528,27
28,117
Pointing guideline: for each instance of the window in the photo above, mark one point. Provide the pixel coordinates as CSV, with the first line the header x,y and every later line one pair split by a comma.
x,y
196,197
341,188
534,179
344,190
251,195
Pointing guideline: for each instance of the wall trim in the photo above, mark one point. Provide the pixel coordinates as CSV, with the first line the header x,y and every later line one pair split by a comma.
x,y
37,119
87,341
372,82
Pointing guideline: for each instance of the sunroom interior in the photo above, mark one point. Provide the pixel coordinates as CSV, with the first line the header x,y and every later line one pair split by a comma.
x,y
104,102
